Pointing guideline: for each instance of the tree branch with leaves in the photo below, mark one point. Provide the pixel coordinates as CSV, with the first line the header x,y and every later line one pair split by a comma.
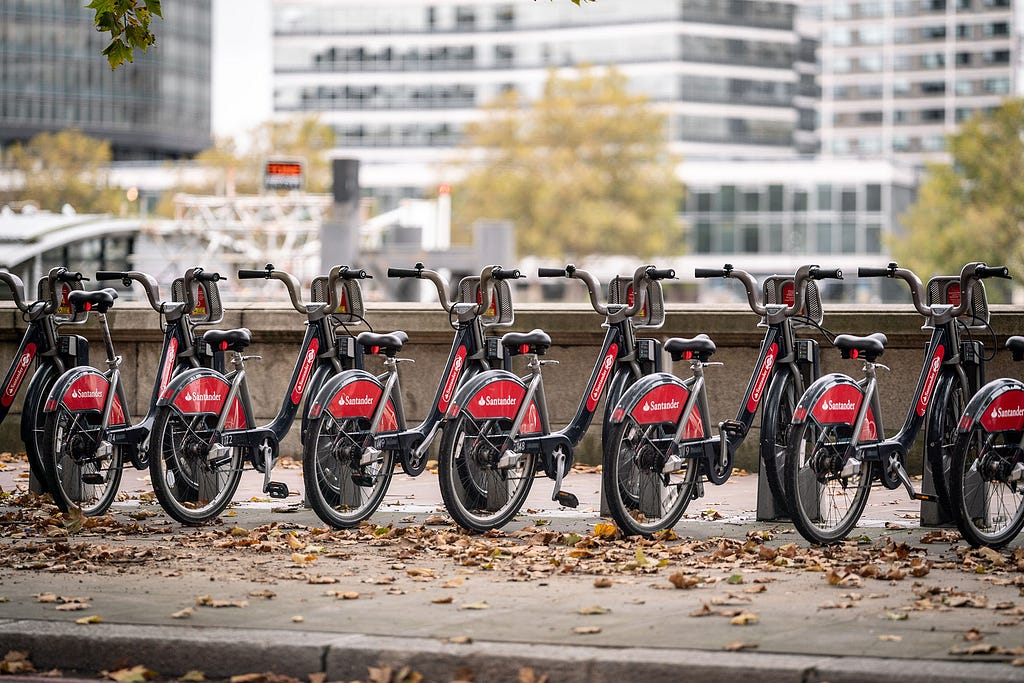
x,y
127,22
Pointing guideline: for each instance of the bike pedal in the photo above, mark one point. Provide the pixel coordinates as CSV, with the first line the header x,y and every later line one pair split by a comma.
x,y
927,497
566,499
277,489
732,427
94,478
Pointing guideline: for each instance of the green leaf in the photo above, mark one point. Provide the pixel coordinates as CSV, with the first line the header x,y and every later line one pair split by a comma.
x,y
102,6
153,7
117,52
735,579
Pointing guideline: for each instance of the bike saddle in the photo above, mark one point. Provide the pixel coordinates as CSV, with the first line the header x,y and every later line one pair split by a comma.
x,y
534,341
683,349
1016,346
101,300
389,344
228,340
870,346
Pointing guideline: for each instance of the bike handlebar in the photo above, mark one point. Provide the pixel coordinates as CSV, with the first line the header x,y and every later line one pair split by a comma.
x,y
486,275
289,280
800,278
17,287
976,270
147,281
641,275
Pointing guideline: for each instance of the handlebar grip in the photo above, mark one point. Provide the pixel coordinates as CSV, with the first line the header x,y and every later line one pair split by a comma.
x,y
214,277
252,274
70,276
404,272
551,272
110,275
355,274
661,273
830,274
709,272
510,274
993,271
873,272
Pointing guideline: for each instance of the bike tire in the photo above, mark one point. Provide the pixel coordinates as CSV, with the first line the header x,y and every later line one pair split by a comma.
x,y
478,494
79,477
341,491
33,423
192,488
988,508
944,413
823,504
641,498
776,418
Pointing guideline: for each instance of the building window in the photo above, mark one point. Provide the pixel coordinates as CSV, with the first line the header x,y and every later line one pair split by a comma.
x,y
749,238
873,197
727,199
848,235
752,201
823,238
775,196
800,200
873,238
848,200
774,238
703,202
824,197
933,115
704,245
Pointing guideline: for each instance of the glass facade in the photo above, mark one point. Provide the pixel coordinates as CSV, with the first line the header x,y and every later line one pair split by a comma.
x,y
53,76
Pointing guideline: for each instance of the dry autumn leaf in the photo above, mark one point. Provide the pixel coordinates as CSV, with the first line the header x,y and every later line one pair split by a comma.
x,y
586,630
744,619
482,604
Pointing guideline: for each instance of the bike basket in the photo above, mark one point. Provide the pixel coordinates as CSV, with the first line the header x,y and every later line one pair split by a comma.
x,y
500,312
64,312
945,289
652,315
350,299
779,289
208,309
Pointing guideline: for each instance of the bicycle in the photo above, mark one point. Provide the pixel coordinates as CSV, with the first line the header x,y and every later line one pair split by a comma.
x,y
837,441
204,431
987,469
358,424
662,447
88,428
52,351
497,428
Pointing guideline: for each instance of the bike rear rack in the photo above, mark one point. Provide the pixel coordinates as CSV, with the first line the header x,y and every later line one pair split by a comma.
x,y
500,313
945,289
350,308
652,315
778,289
64,313
208,309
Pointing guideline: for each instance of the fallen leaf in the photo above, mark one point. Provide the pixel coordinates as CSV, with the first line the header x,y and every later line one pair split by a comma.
x,y
586,630
193,676
605,530
602,582
91,619
890,638
298,619
593,609
738,645
446,600
482,604
183,613
136,674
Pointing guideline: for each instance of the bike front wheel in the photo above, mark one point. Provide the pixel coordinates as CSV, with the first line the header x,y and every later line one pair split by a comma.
x,y
775,424
642,497
193,481
986,485
941,434
83,471
345,477
483,484
826,491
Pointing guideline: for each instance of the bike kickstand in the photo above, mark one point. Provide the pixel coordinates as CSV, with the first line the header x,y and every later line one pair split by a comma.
x,y
563,498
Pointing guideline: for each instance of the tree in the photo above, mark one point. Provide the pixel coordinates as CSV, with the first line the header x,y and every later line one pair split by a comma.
x,y
127,22
68,167
973,208
583,170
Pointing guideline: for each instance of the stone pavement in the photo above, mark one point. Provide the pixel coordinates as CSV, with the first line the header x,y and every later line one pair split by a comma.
x,y
176,599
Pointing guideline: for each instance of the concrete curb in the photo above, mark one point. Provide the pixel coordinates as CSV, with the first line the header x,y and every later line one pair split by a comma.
x,y
223,652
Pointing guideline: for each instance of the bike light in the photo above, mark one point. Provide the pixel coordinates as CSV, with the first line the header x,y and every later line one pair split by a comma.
x,y
687,355
854,353
374,350
223,346
88,306
524,348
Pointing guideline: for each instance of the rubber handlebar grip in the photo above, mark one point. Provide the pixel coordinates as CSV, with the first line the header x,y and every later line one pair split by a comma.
x,y
503,274
709,272
551,272
69,276
355,274
213,277
993,271
404,272
831,274
252,274
111,275
873,272
661,273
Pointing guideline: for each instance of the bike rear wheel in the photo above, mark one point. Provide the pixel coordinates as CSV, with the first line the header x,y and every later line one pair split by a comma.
x,y
641,497
986,484
941,434
344,485
480,491
826,491
193,482
82,472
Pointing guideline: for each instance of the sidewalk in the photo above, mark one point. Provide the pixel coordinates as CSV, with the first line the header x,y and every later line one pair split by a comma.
x,y
268,589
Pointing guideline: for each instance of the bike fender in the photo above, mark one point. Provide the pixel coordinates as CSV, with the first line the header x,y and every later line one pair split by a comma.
x,y
202,391
656,399
999,406
834,399
34,396
84,389
354,393
495,394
